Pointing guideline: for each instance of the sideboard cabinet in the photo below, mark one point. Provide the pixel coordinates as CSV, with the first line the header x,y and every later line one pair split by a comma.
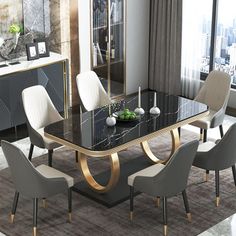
x,y
50,72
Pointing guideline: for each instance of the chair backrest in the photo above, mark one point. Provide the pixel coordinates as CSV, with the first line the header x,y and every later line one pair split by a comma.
x,y
215,90
38,107
173,178
27,180
223,155
91,92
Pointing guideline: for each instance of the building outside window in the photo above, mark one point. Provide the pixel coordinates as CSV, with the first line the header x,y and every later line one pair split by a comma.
x,y
218,40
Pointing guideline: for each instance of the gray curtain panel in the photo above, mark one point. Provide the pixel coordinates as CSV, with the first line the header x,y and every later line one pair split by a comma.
x,y
165,46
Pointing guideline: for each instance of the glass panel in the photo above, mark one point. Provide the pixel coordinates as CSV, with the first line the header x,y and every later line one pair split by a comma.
x,y
99,32
117,47
206,21
225,48
100,40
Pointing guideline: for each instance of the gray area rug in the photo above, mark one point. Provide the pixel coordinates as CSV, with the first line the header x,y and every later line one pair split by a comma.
x,y
91,218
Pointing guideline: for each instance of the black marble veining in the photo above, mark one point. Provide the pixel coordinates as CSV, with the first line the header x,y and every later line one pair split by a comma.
x,y
89,130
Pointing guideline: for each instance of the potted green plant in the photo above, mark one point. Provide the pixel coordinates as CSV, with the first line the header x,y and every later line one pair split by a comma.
x,y
15,29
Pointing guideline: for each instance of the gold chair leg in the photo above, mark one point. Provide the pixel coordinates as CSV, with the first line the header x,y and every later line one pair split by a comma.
x,y
206,177
44,203
189,216
165,230
217,201
34,231
131,215
201,137
12,216
69,217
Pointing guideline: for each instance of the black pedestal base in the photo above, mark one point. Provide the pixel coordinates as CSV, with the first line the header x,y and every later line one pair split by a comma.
x,y
120,192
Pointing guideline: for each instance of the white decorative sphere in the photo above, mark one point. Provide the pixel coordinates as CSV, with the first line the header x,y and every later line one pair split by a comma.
x,y
155,111
139,111
111,121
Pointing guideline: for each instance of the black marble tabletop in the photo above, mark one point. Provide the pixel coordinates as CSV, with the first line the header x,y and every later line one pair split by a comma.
x,y
89,130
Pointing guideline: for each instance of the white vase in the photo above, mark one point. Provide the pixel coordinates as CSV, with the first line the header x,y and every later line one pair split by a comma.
x,y
16,38
111,121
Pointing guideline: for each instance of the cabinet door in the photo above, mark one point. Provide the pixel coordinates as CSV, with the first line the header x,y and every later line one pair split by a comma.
x,y
108,44
11,87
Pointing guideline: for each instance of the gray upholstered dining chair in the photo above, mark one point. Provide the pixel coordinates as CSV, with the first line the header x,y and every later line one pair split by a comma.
x,y
214,93
91,92
40,182
165,180
40,112
218,156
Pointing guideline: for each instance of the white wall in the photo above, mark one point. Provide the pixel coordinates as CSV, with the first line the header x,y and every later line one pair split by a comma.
x,y
84,35
137,44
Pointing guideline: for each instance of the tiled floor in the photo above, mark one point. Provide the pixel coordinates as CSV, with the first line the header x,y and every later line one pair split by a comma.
x,y
226,227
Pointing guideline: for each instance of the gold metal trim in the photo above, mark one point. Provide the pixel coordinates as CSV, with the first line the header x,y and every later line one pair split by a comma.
x,y
34,231
44,203
165,230
175,140
125,43
109,48
131,215
93,184
12,216
175,145
64,64
158,202
217,201
201,136
34,67
128,144
146,149
189,216
70,217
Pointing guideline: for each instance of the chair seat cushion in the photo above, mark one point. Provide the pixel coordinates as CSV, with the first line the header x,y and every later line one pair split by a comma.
x,y
48,143
50,172
202,158
205,122
205,147
147,172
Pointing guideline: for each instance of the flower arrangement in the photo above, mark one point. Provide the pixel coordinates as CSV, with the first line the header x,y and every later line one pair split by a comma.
x,y
15,28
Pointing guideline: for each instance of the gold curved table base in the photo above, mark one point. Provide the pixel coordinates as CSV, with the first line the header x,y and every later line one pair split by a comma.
x,y
175,144
93,184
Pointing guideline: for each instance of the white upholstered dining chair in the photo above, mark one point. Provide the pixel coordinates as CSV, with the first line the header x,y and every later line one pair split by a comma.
x,y
214,93
91,92
40,112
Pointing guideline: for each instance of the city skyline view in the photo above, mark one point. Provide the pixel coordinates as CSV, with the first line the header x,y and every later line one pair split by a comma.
x,y
225,40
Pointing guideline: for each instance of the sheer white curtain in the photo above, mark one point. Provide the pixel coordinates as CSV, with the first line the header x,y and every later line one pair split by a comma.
x,y
191,46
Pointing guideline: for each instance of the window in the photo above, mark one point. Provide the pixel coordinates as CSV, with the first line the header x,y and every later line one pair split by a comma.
x,y
219,39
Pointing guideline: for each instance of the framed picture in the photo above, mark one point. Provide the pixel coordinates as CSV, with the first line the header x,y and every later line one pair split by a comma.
x,y
43,47
32,51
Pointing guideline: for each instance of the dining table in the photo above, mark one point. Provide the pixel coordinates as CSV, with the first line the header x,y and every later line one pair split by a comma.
x,y
89,135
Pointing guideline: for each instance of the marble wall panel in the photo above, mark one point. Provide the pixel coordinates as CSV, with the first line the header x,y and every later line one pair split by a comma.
x,y
10,12
37,16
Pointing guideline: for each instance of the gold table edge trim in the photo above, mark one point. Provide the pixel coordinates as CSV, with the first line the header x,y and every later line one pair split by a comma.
x,y
125,145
